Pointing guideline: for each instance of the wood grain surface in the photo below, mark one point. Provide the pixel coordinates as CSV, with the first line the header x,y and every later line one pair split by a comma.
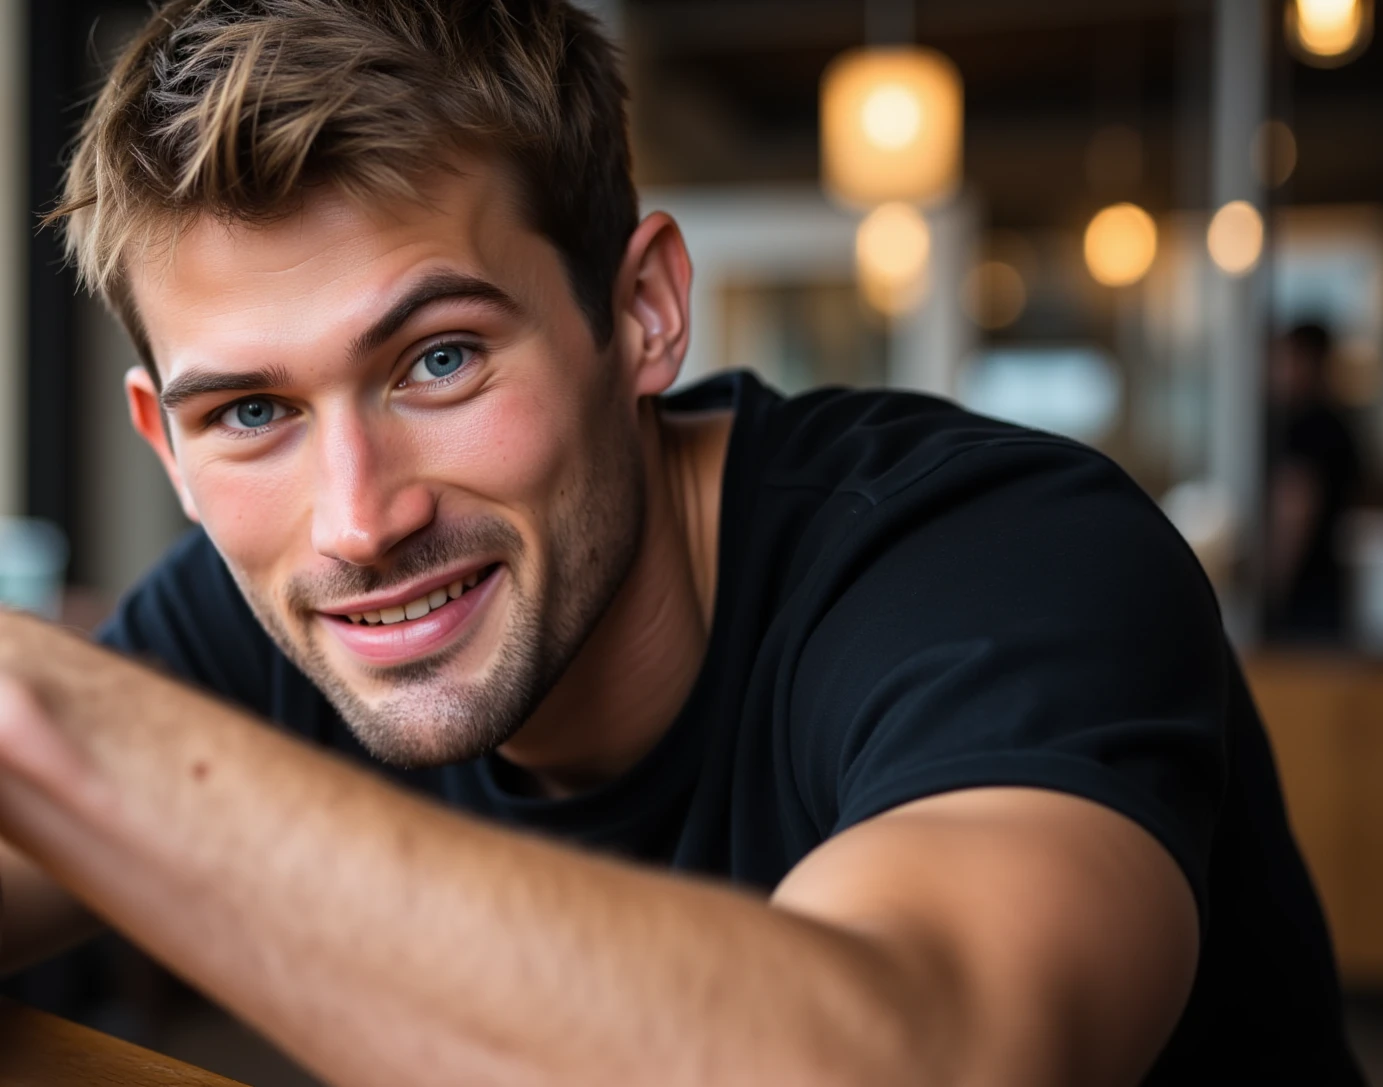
x,y
38,1050
1324,715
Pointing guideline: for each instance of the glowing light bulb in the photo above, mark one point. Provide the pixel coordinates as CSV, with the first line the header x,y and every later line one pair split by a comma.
x,y
1235,238
891,126
1328,32
892,245
892,116
1120,244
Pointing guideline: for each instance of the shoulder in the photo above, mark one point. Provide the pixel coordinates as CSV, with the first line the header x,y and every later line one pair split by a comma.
x,y
974,528
1011,609
876,442
962,497
869,441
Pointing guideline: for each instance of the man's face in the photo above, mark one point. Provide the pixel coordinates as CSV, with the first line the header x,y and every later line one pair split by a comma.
x,y
397,430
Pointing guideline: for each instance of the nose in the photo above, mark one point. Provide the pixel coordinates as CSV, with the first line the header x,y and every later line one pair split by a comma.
x,y
365,500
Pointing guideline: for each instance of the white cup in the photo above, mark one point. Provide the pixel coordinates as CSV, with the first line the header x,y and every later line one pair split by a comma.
x,y
33,561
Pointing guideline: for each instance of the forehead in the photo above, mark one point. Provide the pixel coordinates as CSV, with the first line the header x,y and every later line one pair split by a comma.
x,y
224,290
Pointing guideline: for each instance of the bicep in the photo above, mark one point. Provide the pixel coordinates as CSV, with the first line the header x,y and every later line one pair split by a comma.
x,y
1068,933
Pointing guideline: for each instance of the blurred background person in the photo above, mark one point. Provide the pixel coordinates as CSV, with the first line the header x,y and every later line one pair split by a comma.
x,y
1314,476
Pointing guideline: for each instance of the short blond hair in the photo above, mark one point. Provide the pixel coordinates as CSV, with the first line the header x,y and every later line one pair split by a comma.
x,y
236,108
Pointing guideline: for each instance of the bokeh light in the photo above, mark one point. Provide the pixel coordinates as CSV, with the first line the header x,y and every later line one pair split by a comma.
x,y
1120,245
892,245
891,125
994,294
891,116
1329,32
1235,238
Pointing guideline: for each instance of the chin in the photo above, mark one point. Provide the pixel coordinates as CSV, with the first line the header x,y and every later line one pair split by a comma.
x,y
421,746
403,734
427,713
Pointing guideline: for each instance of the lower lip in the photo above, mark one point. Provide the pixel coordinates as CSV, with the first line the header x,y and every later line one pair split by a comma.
x,y
412,639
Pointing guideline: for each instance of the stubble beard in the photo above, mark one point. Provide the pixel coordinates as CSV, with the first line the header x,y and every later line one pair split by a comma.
x,y
435,719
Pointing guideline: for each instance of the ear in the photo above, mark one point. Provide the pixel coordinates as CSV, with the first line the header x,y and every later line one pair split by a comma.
x,y
652,304
146,415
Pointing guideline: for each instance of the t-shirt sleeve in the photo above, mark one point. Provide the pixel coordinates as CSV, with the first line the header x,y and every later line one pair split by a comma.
x,y
188,618
1023,616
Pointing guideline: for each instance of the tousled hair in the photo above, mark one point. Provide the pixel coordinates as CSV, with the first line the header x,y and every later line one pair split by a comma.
x,y
238,108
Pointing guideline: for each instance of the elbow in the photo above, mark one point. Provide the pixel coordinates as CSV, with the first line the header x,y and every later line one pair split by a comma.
x,y
895,1026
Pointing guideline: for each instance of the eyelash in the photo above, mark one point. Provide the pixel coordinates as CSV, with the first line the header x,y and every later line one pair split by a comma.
x,y
240,432
474,354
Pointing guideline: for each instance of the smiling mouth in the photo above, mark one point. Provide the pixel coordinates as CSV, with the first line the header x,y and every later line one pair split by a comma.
x,y
416,609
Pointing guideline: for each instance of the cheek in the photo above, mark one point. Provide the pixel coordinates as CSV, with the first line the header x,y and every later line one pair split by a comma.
x,y
256,515
516,446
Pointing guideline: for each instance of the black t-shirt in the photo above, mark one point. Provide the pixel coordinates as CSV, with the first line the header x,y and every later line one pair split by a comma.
x,y
911,599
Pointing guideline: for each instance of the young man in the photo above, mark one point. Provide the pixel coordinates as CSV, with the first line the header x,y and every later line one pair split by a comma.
x,y
931,718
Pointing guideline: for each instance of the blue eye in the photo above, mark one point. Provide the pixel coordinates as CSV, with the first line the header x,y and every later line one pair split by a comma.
x,y
251,414
439,362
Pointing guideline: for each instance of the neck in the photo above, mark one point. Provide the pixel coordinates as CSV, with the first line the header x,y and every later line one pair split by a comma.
x,y
626,685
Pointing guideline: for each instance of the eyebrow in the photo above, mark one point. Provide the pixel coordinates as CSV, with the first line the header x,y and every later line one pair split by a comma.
x,y
427,290
194,383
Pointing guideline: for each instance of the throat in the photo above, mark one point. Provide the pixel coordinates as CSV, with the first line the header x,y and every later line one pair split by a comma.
x,y
633,675
622,691
695,449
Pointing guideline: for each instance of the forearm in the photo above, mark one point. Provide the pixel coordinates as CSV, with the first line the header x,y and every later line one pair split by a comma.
x,y
383,940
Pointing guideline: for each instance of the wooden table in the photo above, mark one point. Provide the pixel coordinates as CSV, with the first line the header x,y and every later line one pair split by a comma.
x,y
38,1050
1324,714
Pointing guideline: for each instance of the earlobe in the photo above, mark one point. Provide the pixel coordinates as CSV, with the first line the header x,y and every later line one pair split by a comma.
x,y
147,418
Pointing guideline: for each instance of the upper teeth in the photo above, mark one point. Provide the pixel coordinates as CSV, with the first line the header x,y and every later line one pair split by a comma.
x,y
416,609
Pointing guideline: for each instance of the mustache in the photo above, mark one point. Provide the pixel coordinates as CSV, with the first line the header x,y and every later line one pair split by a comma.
x,y
424,552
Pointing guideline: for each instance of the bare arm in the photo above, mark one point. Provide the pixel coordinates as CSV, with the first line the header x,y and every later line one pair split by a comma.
x,y
382,940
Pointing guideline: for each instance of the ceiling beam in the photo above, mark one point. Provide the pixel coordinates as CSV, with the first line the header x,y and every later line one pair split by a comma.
x,y
690,26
